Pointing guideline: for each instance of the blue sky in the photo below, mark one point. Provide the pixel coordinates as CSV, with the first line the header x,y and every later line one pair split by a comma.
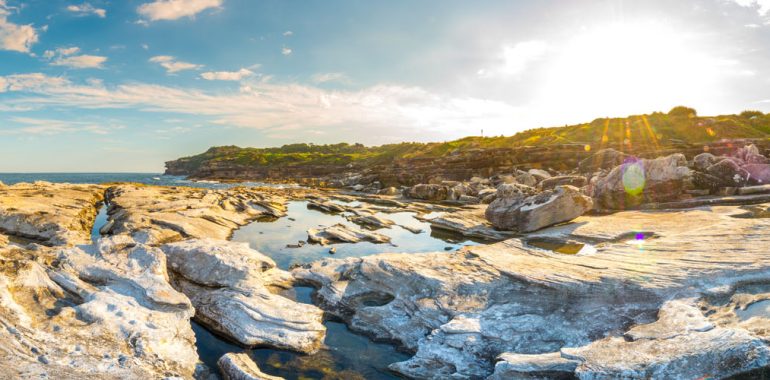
x,y
126,85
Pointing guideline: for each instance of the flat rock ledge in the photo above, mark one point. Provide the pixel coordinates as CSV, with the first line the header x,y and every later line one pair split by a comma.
x,y
53,214
659,294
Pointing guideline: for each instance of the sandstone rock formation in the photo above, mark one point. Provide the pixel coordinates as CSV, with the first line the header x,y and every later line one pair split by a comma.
x,y
513,211
54,214
241,367
624,311
640,181
155,215
343,233
227,283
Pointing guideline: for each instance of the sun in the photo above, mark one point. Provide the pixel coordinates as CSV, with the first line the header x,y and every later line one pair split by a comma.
x,y
620,69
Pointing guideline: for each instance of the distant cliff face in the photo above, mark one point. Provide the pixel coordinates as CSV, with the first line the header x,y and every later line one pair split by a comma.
x,y
457,165
560,148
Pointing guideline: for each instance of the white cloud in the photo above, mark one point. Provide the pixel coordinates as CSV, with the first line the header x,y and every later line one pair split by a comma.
x,y
286,51
762,6
288,108
172,65
34,126
330,77
515,59
86,9
49,54
81,61
67,57
175,9
227,75
15,37
288,33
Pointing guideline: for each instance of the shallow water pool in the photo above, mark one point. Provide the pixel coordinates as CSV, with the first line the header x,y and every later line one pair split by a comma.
x,y
347,355
273,237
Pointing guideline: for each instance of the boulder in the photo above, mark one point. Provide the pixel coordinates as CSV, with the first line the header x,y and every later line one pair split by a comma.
x,y
729,172
640,181
487,195
702,161
750,154
428,192
572,180
602,159
240,367
526,179
459,190
527,214
539,174
759,174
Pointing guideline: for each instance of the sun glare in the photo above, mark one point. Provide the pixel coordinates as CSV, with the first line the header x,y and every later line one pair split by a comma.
x,y
620,69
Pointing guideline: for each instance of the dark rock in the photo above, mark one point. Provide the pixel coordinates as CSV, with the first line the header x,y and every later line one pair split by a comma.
x,y
729,173
702,161
759,174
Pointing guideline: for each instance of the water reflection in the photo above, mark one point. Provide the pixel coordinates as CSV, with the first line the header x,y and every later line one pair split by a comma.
x,y
279,238
99,222
346,355
757,309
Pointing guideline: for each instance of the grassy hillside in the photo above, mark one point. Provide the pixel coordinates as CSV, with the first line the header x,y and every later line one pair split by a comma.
x,y
658,129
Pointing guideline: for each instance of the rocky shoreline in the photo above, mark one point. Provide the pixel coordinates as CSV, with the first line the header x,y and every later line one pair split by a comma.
x,y
620,267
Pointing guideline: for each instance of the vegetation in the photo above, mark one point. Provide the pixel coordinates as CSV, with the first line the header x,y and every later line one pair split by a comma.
x,y
656,130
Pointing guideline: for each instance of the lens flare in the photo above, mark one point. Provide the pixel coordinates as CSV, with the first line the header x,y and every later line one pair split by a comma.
x,y
633,178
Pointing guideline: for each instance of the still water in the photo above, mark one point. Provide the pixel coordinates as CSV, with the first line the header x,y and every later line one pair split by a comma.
x,y
347,355
273,238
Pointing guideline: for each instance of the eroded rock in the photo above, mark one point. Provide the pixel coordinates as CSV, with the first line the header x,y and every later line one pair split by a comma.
x,y
55,214
225,283
514,212
459,311
641,181
241,367
343,233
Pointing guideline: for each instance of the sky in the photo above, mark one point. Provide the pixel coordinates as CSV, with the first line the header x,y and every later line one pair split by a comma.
x,y
124,85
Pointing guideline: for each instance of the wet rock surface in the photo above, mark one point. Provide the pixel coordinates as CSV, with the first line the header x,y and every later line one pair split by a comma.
x,y
241,367
343,233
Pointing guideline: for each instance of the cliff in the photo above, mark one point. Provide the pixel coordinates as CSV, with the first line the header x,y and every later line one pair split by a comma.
x,y
559,148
